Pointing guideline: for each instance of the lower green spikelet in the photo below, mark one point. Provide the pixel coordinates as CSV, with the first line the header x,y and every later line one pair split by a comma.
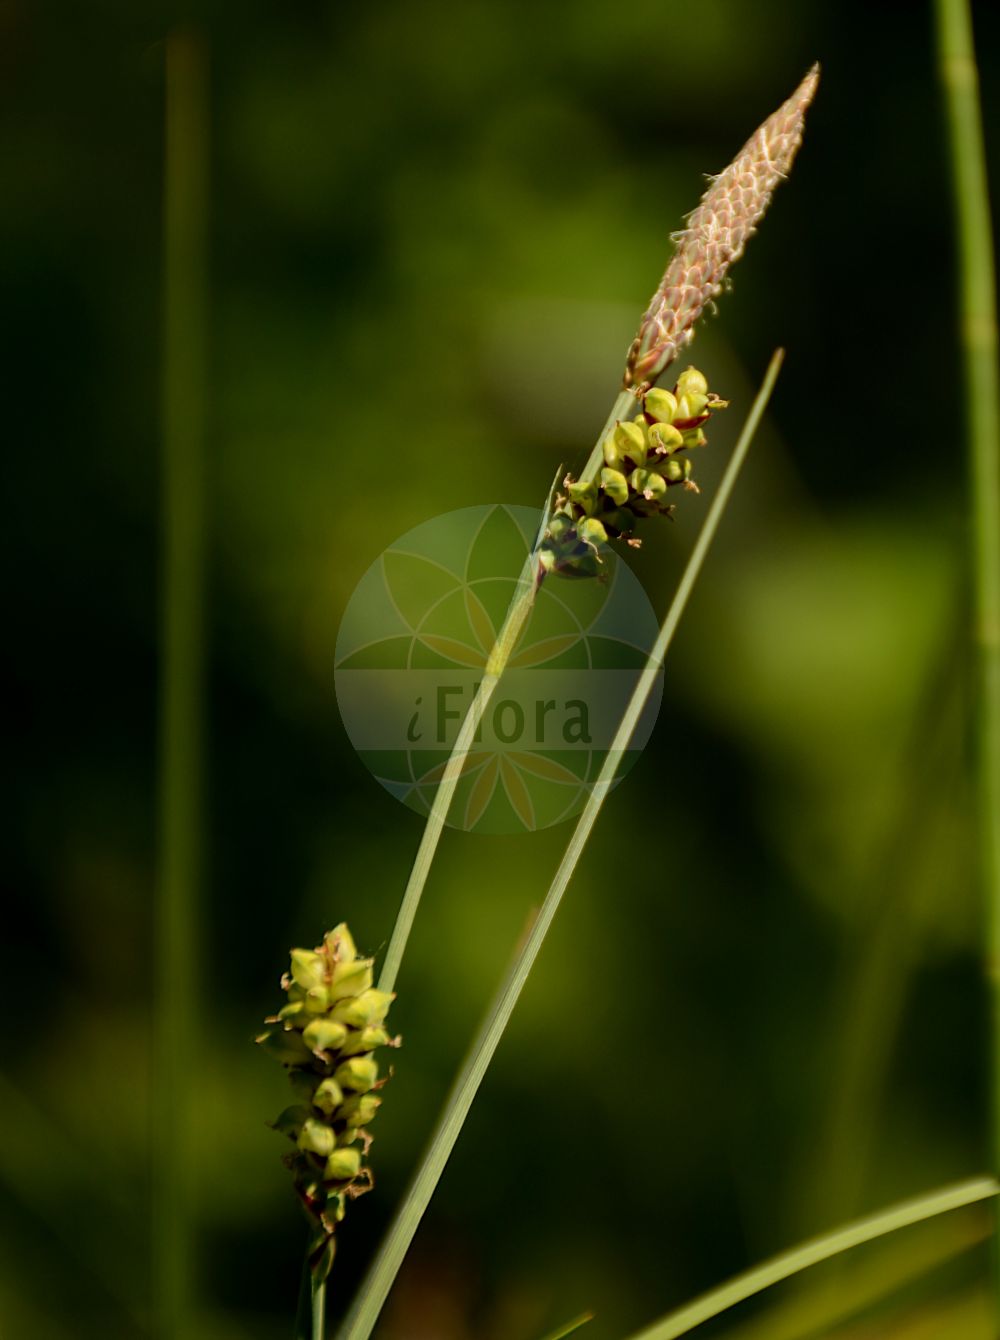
x,y
644,458
325,1036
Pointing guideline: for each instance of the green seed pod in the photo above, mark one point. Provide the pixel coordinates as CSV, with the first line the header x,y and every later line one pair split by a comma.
x,y
694,437
364,1040
584,493
308,968
614,457
615,485
630,438
698,405
662,405
655,487
370,1007
359,1074
691,382
315,1002
665,438
328,1096
324,1035
350,979
316,1137
285,1046
674,470
288,1014
689,408
559,524
339,944
342,1165
592,532
359,1110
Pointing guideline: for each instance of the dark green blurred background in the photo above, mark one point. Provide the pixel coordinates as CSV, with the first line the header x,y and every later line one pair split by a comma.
x,y
433,228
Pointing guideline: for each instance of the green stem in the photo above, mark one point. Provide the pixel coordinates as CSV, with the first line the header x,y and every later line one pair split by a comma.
x,y
303,1312
978,326
318,1309
517,615
375,1288
184,209
816,1250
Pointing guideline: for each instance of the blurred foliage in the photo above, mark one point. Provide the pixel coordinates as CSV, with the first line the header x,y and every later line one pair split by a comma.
x,y
433,229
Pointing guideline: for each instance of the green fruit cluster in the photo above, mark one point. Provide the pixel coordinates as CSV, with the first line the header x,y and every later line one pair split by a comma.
x,y
643,459
325,1036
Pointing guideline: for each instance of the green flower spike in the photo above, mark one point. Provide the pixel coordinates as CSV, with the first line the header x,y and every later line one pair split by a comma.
x,y
643,460
325,1036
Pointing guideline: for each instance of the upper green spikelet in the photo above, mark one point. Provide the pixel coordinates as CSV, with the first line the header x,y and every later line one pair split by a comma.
x,y
644,458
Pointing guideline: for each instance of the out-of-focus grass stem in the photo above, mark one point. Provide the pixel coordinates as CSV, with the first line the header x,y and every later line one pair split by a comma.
x,y
978,334
180,706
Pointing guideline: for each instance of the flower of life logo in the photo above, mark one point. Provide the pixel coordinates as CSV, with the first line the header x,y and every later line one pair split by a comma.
x,y
412,650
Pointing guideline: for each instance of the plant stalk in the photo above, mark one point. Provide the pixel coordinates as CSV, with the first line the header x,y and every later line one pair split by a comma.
x,y
318,1296
980,354
180,704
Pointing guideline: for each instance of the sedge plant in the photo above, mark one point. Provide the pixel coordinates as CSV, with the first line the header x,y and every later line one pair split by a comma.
x,y
668,323
332,1023
641,454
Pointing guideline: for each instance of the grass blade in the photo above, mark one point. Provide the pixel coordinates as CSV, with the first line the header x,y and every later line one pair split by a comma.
x,y
816,1250
375,1288
978,328
867,1279
184,207
571,1327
